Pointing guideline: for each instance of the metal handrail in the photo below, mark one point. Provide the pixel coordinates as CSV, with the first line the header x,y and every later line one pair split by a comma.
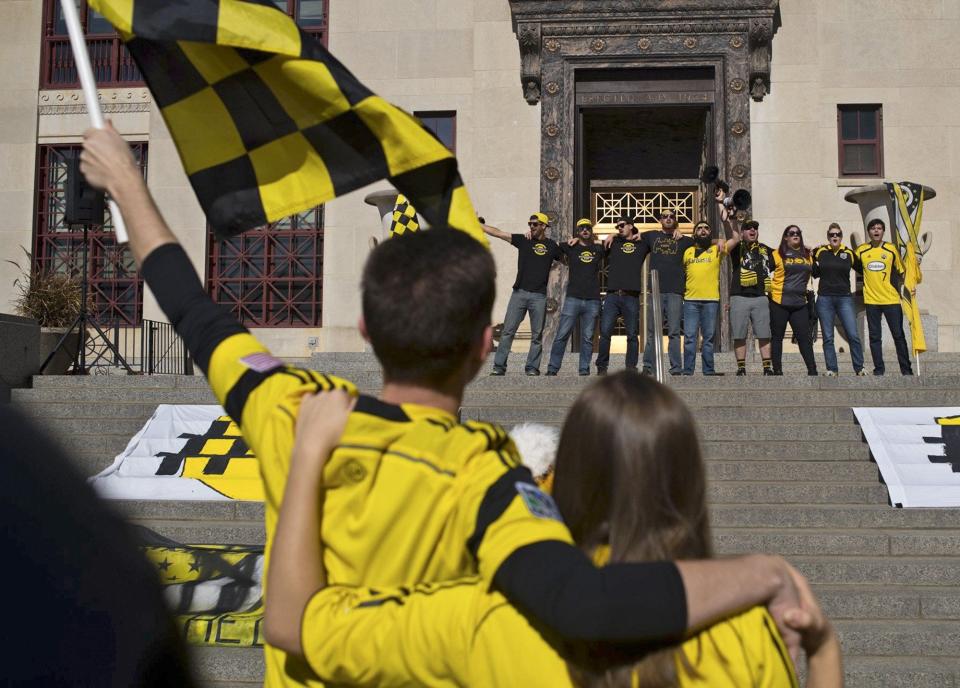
x,y
657,324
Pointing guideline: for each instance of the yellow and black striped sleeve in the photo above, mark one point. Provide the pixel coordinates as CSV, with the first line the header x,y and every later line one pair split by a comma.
x,y
500,507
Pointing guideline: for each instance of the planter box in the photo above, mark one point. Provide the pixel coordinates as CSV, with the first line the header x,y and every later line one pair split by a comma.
x,y
19,342
49,336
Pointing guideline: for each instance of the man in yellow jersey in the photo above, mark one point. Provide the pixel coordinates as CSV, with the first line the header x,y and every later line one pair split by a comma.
x,y
417,496
701,297
882,281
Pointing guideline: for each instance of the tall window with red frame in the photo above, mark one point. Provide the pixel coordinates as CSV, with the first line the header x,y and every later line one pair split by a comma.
x,y
115,285
271,276
111,62
860,140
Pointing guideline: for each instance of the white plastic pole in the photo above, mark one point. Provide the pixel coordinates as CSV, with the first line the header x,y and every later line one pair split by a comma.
x,y
82,59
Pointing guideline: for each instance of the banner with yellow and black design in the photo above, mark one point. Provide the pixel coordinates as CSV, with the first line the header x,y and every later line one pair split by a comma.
x,y
214,591
917,451
268,123
192,452
907,200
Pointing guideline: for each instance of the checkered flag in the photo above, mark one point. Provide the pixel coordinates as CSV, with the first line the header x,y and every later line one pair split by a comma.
x,y
404,218
268,123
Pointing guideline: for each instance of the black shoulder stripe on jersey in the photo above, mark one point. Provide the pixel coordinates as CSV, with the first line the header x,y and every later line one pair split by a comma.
x,y
381,409
237,396
496,436
441,423
495,502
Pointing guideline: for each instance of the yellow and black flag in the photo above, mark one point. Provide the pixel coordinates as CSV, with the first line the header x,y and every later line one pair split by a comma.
x,y
268,123
908,212
404,217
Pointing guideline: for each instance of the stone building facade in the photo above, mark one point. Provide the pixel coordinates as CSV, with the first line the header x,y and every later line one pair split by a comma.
x,y
538,98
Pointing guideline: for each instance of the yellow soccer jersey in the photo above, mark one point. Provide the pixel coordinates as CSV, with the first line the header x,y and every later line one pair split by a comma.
x,y
460,635
405,488
702,273
882,273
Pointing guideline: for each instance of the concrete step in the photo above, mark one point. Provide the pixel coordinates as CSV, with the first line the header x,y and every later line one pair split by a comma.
x,y
796,493
899,638
789,471
831,517
901,672
227,667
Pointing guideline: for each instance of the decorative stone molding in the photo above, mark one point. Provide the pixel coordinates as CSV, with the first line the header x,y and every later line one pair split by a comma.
x,y
70,101
761,33
737,85
540,26
551,130
553,88
738,129
551,173
528,35
739,171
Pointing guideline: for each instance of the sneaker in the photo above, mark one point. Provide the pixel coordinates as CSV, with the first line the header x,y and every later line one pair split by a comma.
x,y
812,373
830,373
550,373
713,374
646,371
533,372
878,373
498,373
677,372
741,372
860,373
584,374
769,371
603,371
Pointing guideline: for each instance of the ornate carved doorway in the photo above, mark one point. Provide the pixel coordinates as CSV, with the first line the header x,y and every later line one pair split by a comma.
x,y
575,54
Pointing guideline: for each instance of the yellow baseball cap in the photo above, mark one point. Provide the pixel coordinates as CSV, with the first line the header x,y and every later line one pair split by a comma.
x,y
540,217
584,223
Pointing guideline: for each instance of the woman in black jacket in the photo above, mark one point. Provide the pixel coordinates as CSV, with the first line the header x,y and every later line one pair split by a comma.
x,y
833,263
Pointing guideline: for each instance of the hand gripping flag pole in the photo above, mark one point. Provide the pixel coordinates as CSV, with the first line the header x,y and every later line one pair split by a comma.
x,y
82,59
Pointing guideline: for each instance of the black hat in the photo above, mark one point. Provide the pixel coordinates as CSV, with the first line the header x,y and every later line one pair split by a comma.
x,y
751,224
625,219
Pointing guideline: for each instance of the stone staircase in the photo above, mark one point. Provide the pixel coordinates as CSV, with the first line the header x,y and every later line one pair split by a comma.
x,y
788,473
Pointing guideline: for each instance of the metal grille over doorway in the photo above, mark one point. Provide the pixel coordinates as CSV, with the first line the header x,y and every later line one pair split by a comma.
x,y
608,206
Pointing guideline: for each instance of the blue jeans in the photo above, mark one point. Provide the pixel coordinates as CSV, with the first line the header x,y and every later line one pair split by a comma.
x,y
829,308
699,316
521,303
671,306
893,314
573,308
629,307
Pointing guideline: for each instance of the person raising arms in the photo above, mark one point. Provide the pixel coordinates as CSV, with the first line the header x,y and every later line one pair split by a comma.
x,y
426,498
629,480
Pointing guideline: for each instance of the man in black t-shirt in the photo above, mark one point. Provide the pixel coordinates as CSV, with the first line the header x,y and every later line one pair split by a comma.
x,y
582,302
624,283
535,256
666,247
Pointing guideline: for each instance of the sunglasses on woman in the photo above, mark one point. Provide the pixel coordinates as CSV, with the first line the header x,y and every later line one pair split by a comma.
x,y
794,234
831,235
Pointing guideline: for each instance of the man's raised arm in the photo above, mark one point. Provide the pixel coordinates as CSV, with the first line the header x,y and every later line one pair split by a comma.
x,y
107,164
498,233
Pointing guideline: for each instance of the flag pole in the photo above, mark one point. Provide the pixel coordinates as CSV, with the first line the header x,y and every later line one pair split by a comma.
x,y
82,59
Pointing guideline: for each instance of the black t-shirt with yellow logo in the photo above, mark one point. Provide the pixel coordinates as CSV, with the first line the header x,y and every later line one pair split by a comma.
x,y
625,266
584,270
533,262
